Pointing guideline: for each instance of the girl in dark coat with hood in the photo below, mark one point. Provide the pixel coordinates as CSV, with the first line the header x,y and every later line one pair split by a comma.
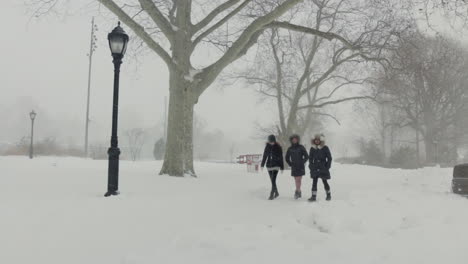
x,y
320,160
296,157
273,159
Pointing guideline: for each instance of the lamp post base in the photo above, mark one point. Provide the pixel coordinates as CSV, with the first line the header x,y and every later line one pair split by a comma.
x,y
111,193
113,176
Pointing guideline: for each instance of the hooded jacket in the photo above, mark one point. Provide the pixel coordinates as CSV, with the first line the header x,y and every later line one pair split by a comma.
x,y
296,157
320,159
273,156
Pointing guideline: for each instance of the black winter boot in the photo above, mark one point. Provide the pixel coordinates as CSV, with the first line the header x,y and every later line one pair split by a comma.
x,y
276,193
297,195
328,196
314,197
272,195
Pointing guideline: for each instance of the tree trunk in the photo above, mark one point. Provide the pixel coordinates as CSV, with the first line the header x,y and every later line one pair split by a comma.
x,y
383,145
418,151
179,158
188,137
430,147
430,135
174,157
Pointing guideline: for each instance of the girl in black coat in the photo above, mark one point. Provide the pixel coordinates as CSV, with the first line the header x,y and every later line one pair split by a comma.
x,y
296,157
273,158
320,160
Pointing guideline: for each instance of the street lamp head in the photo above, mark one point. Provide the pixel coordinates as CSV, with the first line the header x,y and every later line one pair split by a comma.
x,y
118,40
32,115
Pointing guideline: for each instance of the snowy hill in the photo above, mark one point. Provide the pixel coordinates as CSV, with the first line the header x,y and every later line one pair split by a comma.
x,y
53,212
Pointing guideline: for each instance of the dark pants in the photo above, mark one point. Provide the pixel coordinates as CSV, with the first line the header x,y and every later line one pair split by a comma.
x,y
273,174
325,184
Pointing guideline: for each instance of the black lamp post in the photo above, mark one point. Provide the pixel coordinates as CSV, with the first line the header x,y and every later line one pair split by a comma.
x,y
118,40
32,115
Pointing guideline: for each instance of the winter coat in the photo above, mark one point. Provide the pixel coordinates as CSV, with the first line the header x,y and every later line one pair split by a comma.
x,y
273,156
320,160
296,157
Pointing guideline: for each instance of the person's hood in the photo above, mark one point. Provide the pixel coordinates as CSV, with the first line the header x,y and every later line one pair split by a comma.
x,y
271,138
295,136
320,137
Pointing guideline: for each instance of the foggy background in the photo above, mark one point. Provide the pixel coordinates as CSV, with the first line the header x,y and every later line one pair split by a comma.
x,y
45,68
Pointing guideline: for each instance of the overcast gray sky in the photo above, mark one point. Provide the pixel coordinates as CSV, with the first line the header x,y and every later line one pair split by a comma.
x,y
44,67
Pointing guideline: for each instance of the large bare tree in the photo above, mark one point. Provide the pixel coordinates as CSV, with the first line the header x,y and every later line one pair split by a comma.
x,y
383,121
179,30
429,85
304,73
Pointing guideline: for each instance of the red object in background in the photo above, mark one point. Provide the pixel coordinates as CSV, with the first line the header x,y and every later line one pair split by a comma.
x,y
252,161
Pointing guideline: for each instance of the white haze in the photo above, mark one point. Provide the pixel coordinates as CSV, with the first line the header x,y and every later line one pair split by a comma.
x,y
44,67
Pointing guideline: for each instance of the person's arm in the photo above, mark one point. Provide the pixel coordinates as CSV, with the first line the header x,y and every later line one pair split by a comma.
x,y
288,158
311,158
264,157
305,154
281,158
329,157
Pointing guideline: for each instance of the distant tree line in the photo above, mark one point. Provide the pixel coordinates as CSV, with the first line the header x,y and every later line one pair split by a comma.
x,y
419,115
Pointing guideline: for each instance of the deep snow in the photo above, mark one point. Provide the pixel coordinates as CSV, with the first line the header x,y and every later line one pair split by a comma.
x,y
52,212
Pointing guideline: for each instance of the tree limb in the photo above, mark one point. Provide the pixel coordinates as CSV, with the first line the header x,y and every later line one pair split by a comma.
x,y
312,31
348,82
241,45
328,115
213,14
221,22
158,18
336,102
139,31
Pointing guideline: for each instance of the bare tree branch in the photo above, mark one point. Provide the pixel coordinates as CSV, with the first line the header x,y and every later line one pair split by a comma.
x,y
213,14
158,18
244,41
312,31
221,22
139,31
328,115
337,101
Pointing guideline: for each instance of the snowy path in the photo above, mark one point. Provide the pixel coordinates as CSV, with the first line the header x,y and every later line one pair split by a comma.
x,y
52,212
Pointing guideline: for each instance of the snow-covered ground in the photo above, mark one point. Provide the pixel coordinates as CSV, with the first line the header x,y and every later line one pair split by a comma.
x,y
52,212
